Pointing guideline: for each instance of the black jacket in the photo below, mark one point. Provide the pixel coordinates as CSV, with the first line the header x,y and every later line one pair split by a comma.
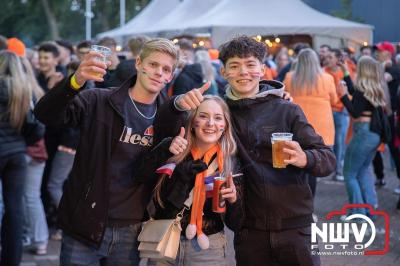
x,y
189,78
98,113
12,141
275,199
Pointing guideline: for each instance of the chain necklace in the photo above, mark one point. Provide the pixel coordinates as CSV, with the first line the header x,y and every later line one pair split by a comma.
x,y
140,113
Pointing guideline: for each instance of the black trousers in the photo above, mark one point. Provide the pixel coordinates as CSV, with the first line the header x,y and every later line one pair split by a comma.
x,y
287,247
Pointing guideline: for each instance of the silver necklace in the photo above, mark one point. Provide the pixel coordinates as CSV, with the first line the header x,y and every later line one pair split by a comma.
x,y
137,109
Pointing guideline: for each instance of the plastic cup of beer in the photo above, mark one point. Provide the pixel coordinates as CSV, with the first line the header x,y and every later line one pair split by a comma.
x,y
278,143
105,52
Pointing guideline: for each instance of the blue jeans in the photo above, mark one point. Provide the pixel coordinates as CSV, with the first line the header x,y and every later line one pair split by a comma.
x,y
357,169
119,247
13,174
60,168
190,254
35,224
341,120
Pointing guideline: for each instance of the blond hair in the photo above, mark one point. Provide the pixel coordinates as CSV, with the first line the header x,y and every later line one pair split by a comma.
x,y
227,142
19,95
369,80
160,45
306,72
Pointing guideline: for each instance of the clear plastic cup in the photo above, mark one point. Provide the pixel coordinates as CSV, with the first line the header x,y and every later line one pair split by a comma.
x,y
105,52
278,143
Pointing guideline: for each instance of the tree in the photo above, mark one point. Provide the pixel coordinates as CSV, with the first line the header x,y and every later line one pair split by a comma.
x,y
346,11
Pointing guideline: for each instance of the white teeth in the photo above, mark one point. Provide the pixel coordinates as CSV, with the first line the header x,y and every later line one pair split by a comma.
x,y
209,131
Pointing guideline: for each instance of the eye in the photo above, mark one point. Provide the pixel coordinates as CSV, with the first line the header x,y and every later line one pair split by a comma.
x,y
167,70
153,64
233,67
219,118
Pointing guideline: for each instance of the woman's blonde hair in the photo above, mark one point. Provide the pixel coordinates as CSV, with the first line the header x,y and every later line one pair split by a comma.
x,y
13,75
369,80
306,72
227,142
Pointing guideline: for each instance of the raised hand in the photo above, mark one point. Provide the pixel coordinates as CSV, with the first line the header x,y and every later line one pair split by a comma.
x,y
179,143
192,99
229,193
91,68
297,155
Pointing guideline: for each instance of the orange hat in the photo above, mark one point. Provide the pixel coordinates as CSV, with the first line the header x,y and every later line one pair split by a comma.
x,y
16,46
213,53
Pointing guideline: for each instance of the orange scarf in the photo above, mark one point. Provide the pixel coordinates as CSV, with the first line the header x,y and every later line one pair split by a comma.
x,y
195,226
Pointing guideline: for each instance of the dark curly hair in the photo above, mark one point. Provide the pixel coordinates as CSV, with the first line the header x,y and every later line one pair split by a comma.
x,y
242,47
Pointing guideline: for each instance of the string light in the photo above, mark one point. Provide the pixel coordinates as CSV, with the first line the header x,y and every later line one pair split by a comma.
x,y
201,43
175,41
277,40
118,48
365,43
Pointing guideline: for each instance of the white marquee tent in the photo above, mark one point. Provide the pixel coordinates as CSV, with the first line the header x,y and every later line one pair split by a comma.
x,y
155,10
228,18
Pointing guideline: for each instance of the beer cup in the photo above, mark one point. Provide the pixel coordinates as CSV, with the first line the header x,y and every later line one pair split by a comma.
x,y
278,143
105,52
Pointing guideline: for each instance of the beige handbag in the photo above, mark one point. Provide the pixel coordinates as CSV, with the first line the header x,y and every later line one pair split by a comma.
x,y
159,239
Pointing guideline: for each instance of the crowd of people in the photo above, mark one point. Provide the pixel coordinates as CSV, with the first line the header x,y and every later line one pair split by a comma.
x,y
80,142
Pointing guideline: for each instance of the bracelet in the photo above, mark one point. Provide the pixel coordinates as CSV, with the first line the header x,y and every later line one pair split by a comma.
x,y
74,84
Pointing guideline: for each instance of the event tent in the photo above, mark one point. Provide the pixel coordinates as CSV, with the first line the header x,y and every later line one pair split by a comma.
x,y
227,18
155,10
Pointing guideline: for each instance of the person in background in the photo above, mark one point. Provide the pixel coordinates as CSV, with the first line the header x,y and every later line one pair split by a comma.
x,y
368,96
333,60
366,50
18,128
33,56
324,50
297,48
66,51
82,49
315,92
202,57
281,59
36,233
385,52
113,58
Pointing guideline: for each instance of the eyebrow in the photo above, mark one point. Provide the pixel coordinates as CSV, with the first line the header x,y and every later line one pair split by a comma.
x,y
209,114
246,62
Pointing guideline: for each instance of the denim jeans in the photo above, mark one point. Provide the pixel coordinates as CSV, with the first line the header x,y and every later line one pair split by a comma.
x,y
357,169
35,224
13,174
119,247
60,169
190,254
341,120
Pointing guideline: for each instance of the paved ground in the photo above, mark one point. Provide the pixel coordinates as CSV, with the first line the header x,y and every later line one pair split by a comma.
x,y
330,196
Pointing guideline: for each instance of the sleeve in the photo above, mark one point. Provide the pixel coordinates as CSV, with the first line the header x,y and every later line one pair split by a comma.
x,y
168,121
62,106
349,84
356,106
330,84
235,213
146,166
320,158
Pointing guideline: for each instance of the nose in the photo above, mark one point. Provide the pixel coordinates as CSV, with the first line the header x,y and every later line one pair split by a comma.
x,y
210,122
243,70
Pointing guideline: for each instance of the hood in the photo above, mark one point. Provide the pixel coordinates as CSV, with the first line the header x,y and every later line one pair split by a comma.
x,y
267,87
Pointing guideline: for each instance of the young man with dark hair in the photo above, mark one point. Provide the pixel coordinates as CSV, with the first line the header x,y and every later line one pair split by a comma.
x,y
102,207
82,49
278,203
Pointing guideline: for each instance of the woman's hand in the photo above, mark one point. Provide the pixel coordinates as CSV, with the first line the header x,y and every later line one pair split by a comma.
x,y
179,143
229,193
341,89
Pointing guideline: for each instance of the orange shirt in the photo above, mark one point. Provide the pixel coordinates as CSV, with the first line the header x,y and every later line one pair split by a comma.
x,y
337,75
269,73
317,105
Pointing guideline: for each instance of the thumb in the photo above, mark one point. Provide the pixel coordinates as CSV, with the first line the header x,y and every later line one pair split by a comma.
x,y
205,87
182,132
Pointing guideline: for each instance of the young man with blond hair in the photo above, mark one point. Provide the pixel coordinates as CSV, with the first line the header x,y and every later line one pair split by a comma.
x,y
102,207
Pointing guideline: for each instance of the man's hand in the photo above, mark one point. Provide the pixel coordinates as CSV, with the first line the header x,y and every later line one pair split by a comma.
x,y
91,68
179,143
297,155
192,99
